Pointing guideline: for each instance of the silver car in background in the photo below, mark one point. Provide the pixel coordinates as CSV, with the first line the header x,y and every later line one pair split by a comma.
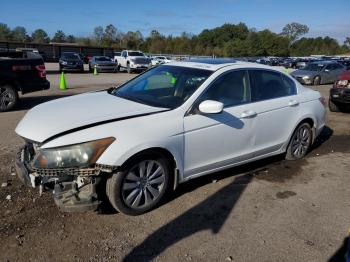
x,y
102,64
317,73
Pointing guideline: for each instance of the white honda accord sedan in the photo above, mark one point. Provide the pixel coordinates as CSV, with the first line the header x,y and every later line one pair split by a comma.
x,y
174,122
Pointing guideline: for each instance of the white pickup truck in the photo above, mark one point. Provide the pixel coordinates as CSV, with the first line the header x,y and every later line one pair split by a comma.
x,y
132,61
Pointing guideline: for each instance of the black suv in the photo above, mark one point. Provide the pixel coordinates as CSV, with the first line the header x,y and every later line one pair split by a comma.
x,y
70,61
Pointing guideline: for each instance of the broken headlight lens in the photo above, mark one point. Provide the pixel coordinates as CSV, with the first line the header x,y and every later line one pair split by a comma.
x,y
78,155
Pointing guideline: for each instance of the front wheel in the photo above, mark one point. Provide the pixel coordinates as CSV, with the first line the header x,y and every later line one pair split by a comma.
x,y
300,142
332,106
128,69
317,81
8,98
140,186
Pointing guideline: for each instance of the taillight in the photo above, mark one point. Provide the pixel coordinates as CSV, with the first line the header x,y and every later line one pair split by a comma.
x,y
42,70
323,101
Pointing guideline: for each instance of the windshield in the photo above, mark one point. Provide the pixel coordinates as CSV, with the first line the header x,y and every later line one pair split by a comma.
x,y
103,58
71,56
163,86
314,67
136,54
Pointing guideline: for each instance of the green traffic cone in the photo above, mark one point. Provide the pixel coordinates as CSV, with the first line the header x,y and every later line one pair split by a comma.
x,y
63,85
95,71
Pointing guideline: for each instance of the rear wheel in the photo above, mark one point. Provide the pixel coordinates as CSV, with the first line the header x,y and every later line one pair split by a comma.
x,y
8,97
128,69
140,186
300,142
332,106
317,80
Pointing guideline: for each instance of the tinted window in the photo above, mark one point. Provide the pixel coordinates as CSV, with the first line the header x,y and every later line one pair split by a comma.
x,y
268,85
230,89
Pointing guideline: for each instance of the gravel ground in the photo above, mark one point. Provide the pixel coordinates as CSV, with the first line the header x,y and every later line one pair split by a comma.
x,y
270,210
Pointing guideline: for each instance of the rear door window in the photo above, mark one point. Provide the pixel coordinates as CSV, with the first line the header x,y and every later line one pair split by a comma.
x,y
267,84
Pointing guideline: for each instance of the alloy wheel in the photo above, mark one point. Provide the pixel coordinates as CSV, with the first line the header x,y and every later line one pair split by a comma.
x,y
143,184
301,141
7,98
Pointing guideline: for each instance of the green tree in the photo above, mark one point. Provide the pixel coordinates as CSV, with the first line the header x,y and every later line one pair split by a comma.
x,y
19,34
5,32
70,39
59,37
294,30
98,34
40,36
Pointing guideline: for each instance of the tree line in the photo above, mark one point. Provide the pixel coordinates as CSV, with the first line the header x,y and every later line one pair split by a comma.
x,y
228,40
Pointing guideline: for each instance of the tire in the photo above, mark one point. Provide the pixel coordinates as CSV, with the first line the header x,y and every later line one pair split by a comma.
x,y
333,107
118,68
82,70
317,81
128,69
128,192
300,142
8,97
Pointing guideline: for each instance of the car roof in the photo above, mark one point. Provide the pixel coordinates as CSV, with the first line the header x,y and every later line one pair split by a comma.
x,y
214,64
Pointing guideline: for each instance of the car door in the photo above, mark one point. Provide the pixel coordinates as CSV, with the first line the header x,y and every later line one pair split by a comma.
x,y
337,70
216,140
275,101
123,59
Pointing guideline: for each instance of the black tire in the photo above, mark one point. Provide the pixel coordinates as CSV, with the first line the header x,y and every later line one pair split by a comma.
x,y
317,81
128,69
118,181
333,107
82,69
306,144
118,68
8,97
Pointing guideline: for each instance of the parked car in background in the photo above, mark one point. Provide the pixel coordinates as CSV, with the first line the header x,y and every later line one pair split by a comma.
x,y
289,63
146,136
339,94
133,61
102,64
301,63
18,73
318,73
163,59
154,61
345,62
70,61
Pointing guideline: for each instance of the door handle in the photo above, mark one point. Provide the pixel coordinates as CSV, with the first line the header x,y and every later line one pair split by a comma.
x,y
293,103
248,114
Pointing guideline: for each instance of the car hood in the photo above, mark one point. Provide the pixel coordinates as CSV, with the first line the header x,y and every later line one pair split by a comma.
x,y
80,111
302,73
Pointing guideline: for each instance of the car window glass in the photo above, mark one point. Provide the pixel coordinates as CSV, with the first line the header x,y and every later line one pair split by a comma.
x,y
268,85
231,89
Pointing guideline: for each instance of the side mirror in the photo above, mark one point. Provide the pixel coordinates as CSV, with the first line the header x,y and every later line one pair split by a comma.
x,y
211,107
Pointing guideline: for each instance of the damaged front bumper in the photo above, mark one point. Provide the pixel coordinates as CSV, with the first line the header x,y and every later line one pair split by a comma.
x,y
74,189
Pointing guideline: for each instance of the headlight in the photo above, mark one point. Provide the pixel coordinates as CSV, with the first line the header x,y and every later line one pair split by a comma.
x,y
306,77
63,62
78,155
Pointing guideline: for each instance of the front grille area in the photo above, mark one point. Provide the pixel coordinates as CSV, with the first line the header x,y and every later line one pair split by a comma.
x,y
141,60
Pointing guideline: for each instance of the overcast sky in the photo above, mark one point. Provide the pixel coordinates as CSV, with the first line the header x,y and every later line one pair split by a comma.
x,y
79,17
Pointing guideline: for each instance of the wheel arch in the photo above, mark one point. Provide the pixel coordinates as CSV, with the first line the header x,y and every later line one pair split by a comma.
x,y
306,119
163,152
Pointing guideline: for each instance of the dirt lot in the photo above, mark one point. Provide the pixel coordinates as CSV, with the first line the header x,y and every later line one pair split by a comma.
x,y
271,210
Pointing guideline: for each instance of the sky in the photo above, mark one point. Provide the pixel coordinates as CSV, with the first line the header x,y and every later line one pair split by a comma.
x,y
80,17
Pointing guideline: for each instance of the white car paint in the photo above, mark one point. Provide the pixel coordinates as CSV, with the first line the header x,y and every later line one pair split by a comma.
x,y
199,143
